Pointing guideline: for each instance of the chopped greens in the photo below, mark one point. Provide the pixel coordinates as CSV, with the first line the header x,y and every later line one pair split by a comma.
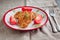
x,y
43,16
37,11
37,25
26,15
14,11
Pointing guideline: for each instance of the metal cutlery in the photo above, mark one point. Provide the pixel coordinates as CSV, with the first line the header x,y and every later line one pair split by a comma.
x,y
52,14
51,21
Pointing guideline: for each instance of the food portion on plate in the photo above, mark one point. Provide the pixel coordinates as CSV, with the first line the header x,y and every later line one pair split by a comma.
x,y
24,17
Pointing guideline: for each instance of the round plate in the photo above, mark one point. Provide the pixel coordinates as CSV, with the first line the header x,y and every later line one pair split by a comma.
x,y
12,11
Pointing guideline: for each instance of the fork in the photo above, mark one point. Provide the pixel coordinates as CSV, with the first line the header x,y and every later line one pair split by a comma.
x,y
52,14
51,21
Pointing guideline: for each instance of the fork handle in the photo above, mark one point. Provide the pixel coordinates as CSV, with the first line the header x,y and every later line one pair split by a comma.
x,y
53,25
58,26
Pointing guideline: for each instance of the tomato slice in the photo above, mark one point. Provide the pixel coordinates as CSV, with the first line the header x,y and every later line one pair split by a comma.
x,y
38,19
12,20
26,9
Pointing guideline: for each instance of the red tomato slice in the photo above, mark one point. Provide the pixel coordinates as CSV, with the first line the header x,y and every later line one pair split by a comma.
x,y
26,9
38,19
12,20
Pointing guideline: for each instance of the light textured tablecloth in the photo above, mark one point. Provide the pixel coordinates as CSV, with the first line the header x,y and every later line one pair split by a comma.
x,y
41,3
8,34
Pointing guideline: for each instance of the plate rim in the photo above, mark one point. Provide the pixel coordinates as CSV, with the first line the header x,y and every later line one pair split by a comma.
x,y
3,19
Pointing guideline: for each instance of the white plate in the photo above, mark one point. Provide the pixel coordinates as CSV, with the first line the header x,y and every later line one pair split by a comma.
x,y
12,11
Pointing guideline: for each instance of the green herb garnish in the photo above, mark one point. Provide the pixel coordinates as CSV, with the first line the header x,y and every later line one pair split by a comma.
x,y
14,11
37,25
26,15
43,16
37,11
